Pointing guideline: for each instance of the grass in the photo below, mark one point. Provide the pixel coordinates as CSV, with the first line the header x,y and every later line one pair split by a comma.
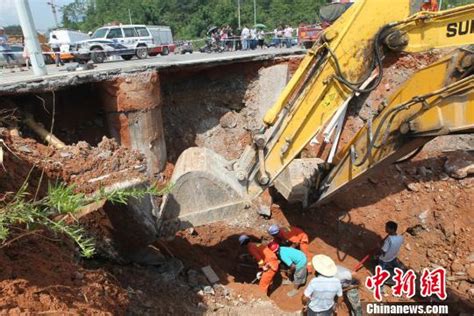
x,y
22,209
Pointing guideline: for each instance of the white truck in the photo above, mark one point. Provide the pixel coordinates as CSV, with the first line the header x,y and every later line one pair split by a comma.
x,y
67,40
126,41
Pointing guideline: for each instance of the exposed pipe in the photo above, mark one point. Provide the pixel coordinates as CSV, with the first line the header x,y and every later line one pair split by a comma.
x,y
43,133
31,38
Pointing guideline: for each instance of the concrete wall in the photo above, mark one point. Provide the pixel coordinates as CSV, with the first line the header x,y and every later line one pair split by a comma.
x,y
133,110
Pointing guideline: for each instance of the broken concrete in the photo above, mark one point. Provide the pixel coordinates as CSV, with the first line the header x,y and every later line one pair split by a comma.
x,y
133,109
210,274
264,92
297,181
460,164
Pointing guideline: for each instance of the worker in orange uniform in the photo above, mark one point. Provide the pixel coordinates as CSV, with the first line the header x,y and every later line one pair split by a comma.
x,y
294,237
267,261
430,5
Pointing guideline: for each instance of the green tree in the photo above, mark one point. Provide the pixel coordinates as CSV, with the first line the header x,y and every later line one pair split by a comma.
x,y
191,18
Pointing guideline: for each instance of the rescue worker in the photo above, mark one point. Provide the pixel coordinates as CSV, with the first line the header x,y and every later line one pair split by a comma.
x,y
388,253
294,237
266,259
320,294
429,5
295,260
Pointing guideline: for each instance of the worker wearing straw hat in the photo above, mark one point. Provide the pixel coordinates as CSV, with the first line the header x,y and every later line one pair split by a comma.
x,y
319,296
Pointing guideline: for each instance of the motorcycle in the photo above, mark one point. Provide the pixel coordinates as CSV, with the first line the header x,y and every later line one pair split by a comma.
x,y
211,46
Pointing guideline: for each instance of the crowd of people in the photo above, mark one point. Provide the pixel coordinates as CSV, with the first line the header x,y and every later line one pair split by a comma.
x,y
288,255
250,38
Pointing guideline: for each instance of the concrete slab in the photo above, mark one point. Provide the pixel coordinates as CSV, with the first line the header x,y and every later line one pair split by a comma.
x,y
210,274
294,183
58,77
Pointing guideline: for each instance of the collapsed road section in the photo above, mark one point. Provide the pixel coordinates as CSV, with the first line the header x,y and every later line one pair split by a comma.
x,y
123,132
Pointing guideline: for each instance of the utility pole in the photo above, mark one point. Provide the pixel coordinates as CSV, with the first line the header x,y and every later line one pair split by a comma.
x,y
238,12
53,8
31,37
130,16
254,12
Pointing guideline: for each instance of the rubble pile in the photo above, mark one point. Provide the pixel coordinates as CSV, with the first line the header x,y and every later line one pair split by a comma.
x,y
87,168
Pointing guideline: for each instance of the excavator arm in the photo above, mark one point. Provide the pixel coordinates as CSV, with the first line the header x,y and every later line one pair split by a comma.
x,y
346,63
336,69
437,100
427,30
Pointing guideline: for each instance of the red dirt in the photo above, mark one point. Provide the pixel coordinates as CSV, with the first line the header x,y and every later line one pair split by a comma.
x,y
360,227
54,285
41,274
57,283
80,165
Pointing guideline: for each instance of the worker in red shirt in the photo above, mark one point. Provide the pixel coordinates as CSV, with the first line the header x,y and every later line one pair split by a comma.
x,y
267,261
294,237
430,5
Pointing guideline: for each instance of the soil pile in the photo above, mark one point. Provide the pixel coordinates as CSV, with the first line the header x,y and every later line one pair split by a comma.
x,y
87,168
41,274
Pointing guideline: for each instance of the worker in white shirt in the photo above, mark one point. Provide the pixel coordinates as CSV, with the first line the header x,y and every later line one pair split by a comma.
x,y
390,249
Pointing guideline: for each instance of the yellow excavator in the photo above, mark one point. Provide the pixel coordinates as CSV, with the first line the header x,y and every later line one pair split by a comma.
x,y
344,66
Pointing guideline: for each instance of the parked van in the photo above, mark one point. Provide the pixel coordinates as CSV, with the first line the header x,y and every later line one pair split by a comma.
x,y
68,39
126,41
162,40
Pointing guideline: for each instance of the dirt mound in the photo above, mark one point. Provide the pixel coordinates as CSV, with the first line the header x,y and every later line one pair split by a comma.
x,y
87,168
43,274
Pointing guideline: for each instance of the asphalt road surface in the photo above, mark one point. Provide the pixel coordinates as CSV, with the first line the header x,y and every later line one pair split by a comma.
x,y
9,79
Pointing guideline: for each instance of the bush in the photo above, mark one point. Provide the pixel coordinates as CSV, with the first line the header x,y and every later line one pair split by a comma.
x,y
22,209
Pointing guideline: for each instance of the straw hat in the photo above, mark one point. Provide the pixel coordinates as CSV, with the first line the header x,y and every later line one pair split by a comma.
x,y
324,265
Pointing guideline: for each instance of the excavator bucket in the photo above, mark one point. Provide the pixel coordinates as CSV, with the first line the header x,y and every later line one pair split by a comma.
x,y
203,190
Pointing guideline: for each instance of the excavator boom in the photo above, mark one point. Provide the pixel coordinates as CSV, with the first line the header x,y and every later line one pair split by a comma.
x,y
437,100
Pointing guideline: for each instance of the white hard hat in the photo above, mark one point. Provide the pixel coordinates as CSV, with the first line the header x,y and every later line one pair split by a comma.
x,y
2,29
324,265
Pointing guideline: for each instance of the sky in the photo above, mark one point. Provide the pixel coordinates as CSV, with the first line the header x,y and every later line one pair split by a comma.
x,y
42,14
